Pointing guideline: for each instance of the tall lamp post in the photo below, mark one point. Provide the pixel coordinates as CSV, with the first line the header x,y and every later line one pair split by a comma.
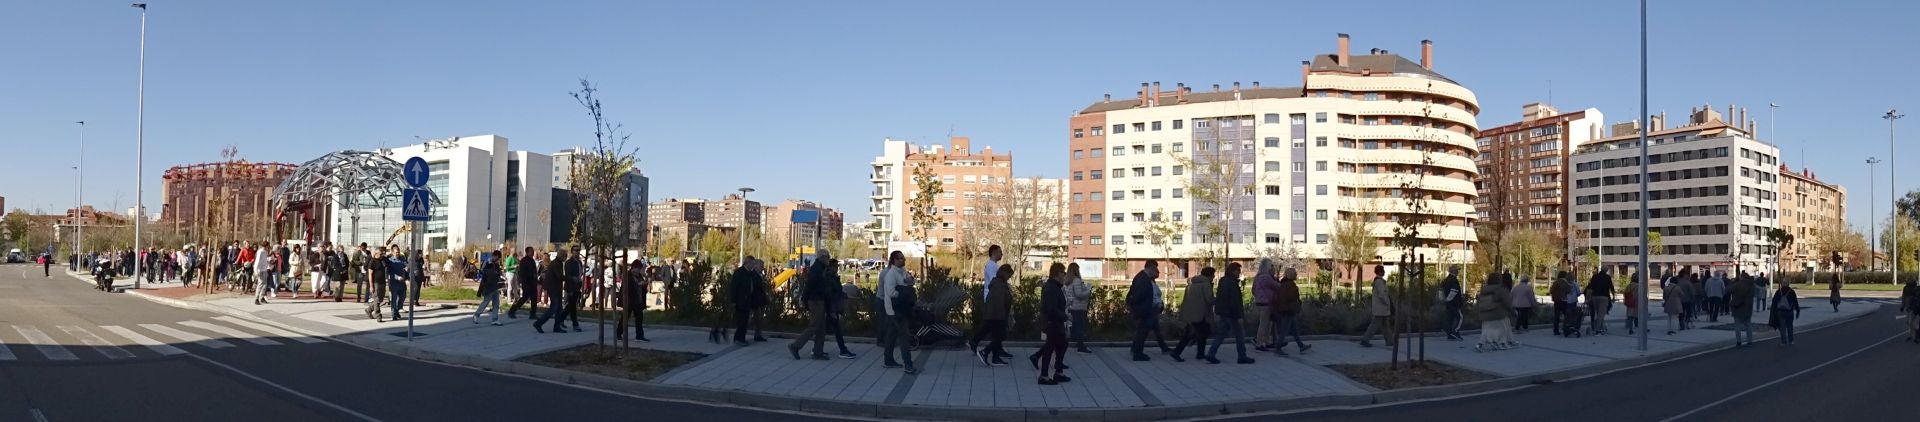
x,y
743,225
1643,173
1872,203
79,191
1893,192
140,150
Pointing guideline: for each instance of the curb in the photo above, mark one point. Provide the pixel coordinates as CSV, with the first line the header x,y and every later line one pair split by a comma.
x,y
656,391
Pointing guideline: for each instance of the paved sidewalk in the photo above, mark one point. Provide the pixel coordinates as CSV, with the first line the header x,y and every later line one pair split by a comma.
x,y
953,381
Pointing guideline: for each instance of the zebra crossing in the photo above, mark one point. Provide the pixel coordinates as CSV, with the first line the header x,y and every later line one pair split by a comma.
x,y
67,343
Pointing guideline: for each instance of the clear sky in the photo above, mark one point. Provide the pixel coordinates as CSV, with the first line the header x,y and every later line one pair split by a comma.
x,y
793,98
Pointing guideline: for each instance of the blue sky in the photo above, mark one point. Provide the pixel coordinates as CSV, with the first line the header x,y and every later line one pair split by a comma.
x,y
793,97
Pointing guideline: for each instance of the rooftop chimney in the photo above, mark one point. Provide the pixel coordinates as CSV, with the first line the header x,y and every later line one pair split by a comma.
x,y
1216,87
1256,84
1180,93
1108,98
1143,94
1341,58
1426,54
1155,99
1306,68
1236,90
1373,51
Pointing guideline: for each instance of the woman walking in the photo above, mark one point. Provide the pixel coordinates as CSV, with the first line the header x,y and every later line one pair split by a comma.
x,y
1492,305
1078,292
1053,313
1786,307
1673,300
1833,291
1228,305
1196,309
1522,300
999,303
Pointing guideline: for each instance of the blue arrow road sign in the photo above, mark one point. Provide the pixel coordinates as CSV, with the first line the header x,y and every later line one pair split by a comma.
x,y
415,172
415,205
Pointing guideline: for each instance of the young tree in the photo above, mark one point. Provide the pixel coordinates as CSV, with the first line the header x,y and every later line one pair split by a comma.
x,y
1902,229
1779,240
1837,238
599,186
1020,215
1221,181
1529,251
669,246
1353,245
921,209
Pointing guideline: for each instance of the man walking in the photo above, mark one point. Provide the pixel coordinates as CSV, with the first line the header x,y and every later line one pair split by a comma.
x,y
1599,301
815,295
998,307
490,283
1140,303
1786,307
1232,312
1456,302
1381,308
897,299
748,297
1741,293
633,296
551,280
574,286
527,274
986,282
357,269
396,282
376,283
1716,295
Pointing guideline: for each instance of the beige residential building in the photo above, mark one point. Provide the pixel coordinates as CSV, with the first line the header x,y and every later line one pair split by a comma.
x,y
1523,169
963,174
1808,206
781,228
1340,146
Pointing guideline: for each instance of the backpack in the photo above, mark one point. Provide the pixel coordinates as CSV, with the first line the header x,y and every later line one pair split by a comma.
x,y
904,298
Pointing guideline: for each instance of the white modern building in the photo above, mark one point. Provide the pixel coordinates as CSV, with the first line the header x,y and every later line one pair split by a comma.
x,y
1712,194
489,196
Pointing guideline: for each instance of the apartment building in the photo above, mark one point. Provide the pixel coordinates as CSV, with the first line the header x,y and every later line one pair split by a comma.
x,y
1523,173
1713,192
1808,206
963,174
781,228
1293,161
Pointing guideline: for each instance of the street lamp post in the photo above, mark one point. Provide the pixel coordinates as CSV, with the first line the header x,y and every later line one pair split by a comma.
x,y
1872,203
1893,193
79,191
743,225
1643,174
140,149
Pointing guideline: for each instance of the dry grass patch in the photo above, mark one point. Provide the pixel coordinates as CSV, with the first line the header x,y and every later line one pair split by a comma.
x,y
1434,373
634,364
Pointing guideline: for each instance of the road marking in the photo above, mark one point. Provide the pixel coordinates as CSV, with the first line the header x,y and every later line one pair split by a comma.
x,y
144,341
270,329
1782,379
186,336
53,350
231,333
111,351
342,409
7,354
37,416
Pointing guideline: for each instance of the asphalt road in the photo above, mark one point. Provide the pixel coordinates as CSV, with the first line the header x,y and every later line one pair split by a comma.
x,y
285,381
1859,370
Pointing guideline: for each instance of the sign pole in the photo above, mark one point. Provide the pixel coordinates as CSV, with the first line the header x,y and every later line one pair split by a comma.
x,y
415,208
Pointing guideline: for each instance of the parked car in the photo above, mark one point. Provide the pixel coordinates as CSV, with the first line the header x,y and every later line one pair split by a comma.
x,y
15,257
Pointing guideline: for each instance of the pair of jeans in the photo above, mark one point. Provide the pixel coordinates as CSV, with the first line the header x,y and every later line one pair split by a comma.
x,y
1144,323
639,320
1559,316
1195,336
1742,329
555,308
1236,326
996,330
570,313
1523,318
1053,352
1284,325
1784,320
375,300
265,287
1079,327
528,296
322,283
1455,317
395,292
816,328
1597,314
489,303
893,335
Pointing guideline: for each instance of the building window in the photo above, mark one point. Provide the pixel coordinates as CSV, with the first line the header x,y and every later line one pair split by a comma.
x,y
1097,131
1095,174
1273,118
1119,218
1119,240
1320,239
1300,142
1094,197
1119,195
1320,117
1320,141
1370,145
1320,215
1273,190
1093,240
1320,189
1139,172
1156,125
1119,173
1079,133
1299,215
1273,142
1179,147
1078,197
1298,119
1273,166
1272,238
1139,127
1097,152
1179,192
1299,166
1372,96
1119,151
1094,218
1177,214
1076,220
1155,194
1156,171
1079,154
1273,214
1178,170
1317,166
1372,121
1119,129
1077,176
1176,124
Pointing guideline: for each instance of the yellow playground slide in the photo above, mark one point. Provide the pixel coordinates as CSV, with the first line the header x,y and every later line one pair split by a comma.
x,y
780,280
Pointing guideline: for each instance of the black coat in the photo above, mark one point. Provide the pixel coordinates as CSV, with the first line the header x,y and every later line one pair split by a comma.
x,y
1227,299
490,278
1140,294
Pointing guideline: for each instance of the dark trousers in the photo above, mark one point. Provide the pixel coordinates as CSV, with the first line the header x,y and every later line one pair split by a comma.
x,y
834,323
572,311
1239,331
554,306
1783,321
1285,325
1559,314
1053,352
1144,323
1079,329
1455,317
740,318
374,301
996,331
893,335
398,291
1525,318
529,295
1196,336
639,318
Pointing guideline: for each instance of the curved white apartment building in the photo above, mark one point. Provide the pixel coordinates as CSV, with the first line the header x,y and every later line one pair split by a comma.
x,y
1343,145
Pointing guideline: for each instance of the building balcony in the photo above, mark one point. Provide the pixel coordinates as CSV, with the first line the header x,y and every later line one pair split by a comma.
x,y
1407,156
1403,132
1394,180
1402,84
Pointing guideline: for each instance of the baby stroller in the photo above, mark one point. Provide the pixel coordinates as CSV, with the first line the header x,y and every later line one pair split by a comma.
x,y
931,318
1571,322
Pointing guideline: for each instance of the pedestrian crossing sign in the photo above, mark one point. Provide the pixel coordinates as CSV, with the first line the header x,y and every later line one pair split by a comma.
x,y
414,205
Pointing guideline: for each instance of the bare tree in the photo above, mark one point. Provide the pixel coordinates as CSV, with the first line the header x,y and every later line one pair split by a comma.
x,y
1020,215
600,189
1353,244
1221,182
